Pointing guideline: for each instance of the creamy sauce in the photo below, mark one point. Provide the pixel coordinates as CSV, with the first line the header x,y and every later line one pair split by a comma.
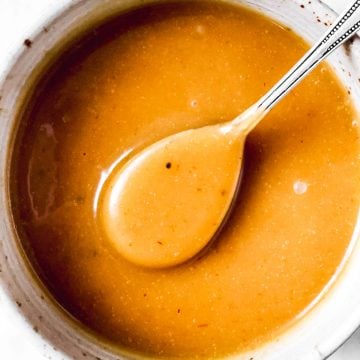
x,y
167,203
153,73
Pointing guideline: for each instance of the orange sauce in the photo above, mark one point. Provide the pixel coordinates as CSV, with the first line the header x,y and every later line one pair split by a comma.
x,y
152,73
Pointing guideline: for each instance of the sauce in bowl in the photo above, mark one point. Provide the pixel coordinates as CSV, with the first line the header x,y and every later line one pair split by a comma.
x,y
151,73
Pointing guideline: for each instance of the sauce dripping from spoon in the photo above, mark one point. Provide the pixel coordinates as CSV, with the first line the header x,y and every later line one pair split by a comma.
x,y
167,203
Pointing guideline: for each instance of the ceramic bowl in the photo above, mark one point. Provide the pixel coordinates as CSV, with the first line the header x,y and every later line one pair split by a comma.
x,y
325,326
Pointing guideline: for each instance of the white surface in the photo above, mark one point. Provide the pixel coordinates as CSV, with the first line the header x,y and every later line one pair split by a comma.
x,y
17,20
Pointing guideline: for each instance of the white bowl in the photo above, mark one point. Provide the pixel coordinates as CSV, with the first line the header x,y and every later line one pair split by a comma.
x,y
325,327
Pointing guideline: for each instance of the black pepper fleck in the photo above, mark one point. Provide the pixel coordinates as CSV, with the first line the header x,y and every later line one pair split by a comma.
x,y
168,165
28,43
79,200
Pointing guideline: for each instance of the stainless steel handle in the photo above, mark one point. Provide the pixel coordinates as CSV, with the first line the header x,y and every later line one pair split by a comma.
x,y
346,25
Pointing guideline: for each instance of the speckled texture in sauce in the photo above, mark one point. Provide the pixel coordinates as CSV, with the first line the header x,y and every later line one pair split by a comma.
x,y
153,73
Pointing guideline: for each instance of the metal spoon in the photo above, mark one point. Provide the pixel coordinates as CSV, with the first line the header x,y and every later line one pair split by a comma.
x,y
169,201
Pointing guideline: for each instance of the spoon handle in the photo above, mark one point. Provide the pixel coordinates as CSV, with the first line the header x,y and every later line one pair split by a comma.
x,y
346,25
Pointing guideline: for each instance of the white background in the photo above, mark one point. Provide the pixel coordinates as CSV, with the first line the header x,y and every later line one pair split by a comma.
x,y
17,20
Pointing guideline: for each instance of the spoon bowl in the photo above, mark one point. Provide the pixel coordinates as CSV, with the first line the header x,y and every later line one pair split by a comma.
x,y
177,228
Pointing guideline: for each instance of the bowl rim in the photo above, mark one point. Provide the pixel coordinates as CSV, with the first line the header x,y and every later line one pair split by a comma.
x,y
12,284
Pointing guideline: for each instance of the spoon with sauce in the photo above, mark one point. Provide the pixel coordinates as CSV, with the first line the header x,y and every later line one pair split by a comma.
x,y
169,201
